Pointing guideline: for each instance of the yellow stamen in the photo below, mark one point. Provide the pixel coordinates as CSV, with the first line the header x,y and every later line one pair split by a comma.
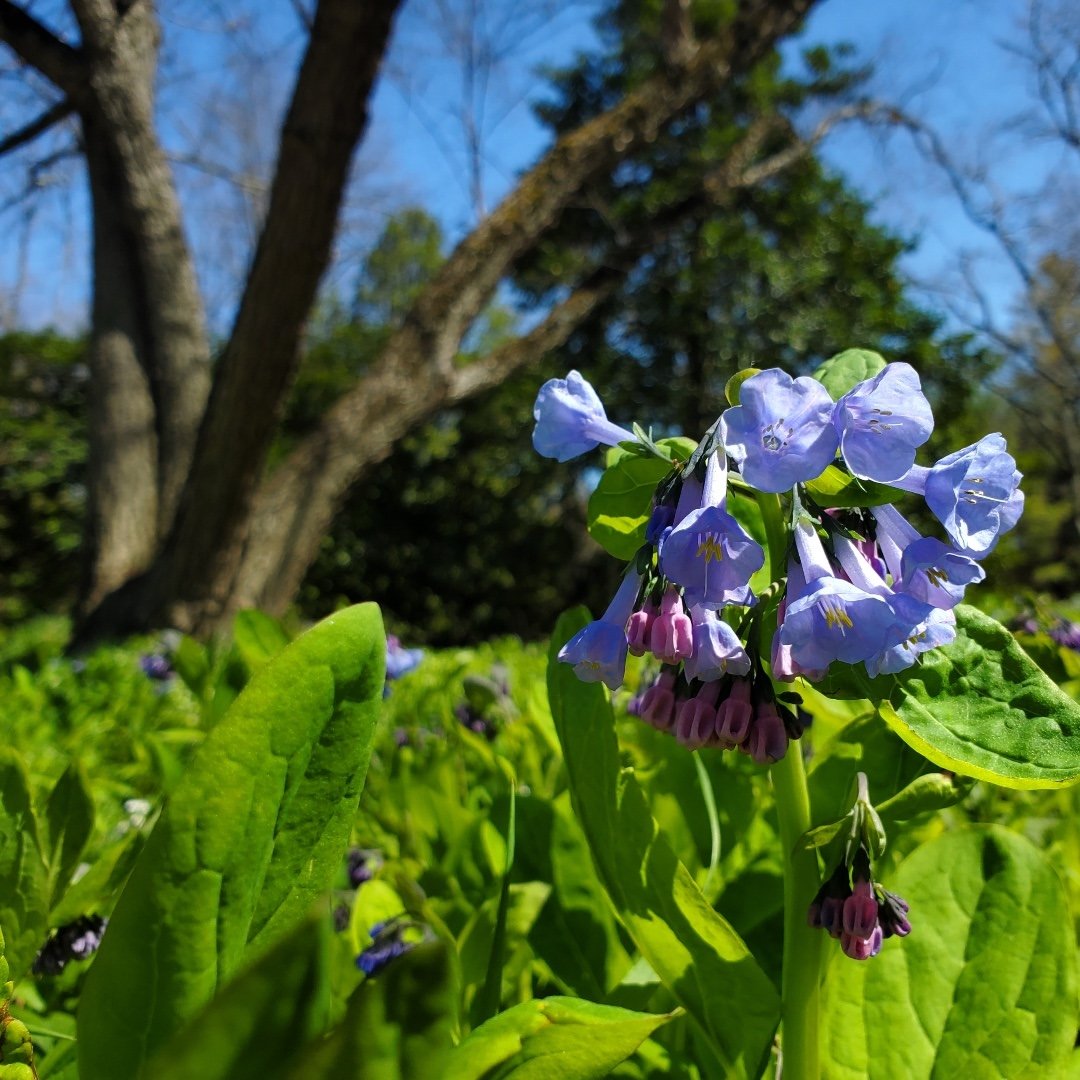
x,y
837,617
710,549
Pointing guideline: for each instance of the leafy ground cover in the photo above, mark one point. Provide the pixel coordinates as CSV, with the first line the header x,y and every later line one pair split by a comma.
x,y
483,909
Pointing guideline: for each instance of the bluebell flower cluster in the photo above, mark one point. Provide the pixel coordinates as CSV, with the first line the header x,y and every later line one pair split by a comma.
x,y
863,586
389,940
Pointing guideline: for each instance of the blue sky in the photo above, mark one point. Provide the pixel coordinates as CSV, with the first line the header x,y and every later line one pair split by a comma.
x,y
945,60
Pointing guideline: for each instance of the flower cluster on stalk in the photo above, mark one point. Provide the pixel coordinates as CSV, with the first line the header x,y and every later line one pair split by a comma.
x,y
863,586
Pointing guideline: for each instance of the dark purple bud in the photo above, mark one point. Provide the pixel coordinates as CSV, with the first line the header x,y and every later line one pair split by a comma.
x,y
74,941
892,915
401,737
862,948
341,918
827,909
860,911
362,864
768,740
658,702
662,517
386,944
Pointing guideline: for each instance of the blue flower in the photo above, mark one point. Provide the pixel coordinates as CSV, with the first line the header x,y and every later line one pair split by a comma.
x,y
833,618
598,652
717,648
974,493
881,422
708,552
922,566
399,660
782,432
924,628
387,944
570,420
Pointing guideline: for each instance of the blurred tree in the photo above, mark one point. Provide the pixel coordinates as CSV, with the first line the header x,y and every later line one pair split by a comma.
x,y
185,522
42,471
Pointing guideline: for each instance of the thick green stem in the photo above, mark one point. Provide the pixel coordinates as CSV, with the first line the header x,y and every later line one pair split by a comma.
x,y
802,944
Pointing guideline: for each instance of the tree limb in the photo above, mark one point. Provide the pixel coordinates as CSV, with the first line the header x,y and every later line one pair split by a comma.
x,y
28,132
34,43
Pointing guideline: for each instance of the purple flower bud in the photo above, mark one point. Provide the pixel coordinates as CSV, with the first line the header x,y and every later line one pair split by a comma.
x,y
861,910
658,702
362,865
768,739
695,719
671,638
881,422
660,520
570,420
893,915
859,948
639,628
734,714
386,945
156,667
781,433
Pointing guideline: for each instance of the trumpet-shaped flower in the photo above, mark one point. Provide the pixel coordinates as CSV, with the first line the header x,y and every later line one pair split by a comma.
x,y
881,422
717,648
923,628
570,420
974,493
832,619
922,566
598,652
708,552
781,433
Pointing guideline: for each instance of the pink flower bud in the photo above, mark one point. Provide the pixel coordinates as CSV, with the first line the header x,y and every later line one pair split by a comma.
x,y
734,715
658,703
671,638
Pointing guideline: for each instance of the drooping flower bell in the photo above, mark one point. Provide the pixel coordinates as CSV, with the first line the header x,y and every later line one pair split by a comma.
x,y
781,432
881,422
974,493
571,421
598,652
717,648
708,552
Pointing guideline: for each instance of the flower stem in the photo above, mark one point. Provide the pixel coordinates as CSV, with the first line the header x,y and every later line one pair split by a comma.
x,y
801,979
802,944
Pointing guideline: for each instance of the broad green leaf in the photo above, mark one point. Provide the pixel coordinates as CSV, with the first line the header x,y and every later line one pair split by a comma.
x,y
619,506
69,821
985,986
982,707
23,881
397,1025
251,837
258,1025
834,487
552,1038
258,638
575,933
844,370
696,953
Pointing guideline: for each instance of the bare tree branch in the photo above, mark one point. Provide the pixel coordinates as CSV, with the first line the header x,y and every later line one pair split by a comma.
x,y
28,132
40,48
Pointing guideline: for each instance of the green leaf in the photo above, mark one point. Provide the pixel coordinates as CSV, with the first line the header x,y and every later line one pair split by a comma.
x,y
844,370
486,1003
933,791
396,1027
834,487
985,986
696,953
553,1038
733,387
69,821
251,837
260,1022
619,506
575,933
23,881
258,638
982,707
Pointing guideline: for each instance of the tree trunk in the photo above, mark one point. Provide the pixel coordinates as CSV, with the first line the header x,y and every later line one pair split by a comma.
x,y
149,354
